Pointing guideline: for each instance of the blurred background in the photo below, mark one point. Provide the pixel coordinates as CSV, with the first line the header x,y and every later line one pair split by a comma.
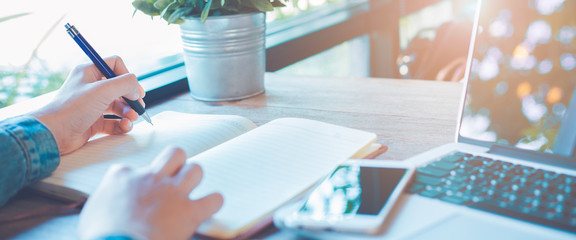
x,y
411,39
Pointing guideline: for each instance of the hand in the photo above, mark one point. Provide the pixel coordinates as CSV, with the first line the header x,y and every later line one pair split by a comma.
x,y
76,113
150,203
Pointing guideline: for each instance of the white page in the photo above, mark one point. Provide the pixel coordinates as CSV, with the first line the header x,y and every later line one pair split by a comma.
x,y
268,166
83,169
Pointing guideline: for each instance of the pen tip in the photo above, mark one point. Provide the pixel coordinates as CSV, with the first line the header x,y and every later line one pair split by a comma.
x,y
147,118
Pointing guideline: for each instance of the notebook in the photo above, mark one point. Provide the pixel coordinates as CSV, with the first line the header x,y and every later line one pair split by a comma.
x,y
511,173
257,169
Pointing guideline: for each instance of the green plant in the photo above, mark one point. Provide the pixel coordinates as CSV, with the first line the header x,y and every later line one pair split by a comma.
x,y
174,11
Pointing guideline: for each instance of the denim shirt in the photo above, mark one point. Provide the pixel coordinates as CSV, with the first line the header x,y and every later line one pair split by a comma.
x,y
28,153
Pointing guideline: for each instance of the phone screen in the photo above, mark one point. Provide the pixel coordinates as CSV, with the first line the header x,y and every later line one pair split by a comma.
x,y
351,190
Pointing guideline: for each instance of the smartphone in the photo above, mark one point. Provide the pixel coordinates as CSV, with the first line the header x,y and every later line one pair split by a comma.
x,y
356,197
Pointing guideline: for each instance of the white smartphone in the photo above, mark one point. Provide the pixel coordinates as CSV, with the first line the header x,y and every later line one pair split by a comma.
x,y
356,198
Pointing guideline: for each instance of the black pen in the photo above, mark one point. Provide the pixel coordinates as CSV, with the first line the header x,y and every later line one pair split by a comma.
x,y
104,68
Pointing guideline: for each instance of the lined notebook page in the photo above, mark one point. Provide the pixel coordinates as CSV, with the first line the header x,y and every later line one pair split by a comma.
x,y
83,169
268,166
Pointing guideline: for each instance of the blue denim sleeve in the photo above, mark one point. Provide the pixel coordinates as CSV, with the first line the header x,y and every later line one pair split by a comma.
x,y
115,237
28,153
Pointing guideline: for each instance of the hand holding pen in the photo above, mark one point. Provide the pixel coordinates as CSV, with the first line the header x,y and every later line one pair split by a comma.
x,y
74,115
104,68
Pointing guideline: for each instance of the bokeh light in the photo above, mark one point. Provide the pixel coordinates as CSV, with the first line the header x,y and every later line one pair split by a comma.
x,y
568,61
523,63
545,66
489,67
533,110
554,95
531,83
566,34
559,109
501,88
501,27
521,51
539,32
523,90
547,7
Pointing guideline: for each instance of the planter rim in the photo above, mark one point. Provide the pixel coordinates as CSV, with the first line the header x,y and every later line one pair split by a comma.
x,y
236,15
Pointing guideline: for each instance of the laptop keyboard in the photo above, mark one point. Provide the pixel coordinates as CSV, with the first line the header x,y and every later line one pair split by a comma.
x,y
521,192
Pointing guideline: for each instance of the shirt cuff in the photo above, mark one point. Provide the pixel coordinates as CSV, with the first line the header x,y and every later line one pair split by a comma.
x,y
115,237
38,146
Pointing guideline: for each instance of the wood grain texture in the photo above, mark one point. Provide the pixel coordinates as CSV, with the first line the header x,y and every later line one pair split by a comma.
x,y
409,116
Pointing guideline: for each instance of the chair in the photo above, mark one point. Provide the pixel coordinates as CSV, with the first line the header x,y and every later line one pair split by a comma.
x,y
444,57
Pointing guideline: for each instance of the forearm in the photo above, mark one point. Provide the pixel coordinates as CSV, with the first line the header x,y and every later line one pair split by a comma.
x,y
28,153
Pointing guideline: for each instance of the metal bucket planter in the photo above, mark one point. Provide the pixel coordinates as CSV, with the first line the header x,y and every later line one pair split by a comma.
x,y
225,56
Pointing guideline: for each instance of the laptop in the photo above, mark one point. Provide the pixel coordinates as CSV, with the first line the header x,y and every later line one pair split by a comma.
x,y
511,174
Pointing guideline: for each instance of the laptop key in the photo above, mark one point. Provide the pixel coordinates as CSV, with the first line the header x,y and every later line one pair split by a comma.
x,y
444,165
429,180
458,178
432,171
455,186
535,195
475,162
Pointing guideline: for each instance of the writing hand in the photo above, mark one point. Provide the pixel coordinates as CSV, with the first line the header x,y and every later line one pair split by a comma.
x,y
76,112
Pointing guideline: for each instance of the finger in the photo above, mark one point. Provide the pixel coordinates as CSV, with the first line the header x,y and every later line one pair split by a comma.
x,y
142,91
124,85
125,125
116,64
169,162
189,177
94,74
205,207
121,109
115,126
116,170
114,173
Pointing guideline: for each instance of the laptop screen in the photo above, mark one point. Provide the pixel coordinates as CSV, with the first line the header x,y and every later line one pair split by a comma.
x,y
522,77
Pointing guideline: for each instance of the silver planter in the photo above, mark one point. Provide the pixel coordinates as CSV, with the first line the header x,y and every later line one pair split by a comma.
x,y
225,56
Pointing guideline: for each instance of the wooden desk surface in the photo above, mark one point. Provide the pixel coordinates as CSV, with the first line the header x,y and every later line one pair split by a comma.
x,y
409,116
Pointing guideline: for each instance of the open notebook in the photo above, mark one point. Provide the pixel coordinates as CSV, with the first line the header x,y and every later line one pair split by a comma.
x,y
257,169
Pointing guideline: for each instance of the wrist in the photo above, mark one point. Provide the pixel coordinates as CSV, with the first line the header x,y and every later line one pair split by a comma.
x,y
51,124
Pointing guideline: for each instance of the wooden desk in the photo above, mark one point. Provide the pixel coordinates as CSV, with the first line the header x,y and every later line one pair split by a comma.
x,y
409,116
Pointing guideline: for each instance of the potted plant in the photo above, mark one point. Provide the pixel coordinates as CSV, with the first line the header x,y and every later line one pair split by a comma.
x,y
224,43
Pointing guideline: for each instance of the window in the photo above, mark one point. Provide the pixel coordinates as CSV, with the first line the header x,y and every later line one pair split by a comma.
x,y
38,54
348,59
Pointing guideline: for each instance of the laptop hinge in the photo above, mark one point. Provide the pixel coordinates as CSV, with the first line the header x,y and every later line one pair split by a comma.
x,y
533,156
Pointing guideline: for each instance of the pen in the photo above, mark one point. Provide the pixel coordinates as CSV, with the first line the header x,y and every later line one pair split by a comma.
x,y
104,68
